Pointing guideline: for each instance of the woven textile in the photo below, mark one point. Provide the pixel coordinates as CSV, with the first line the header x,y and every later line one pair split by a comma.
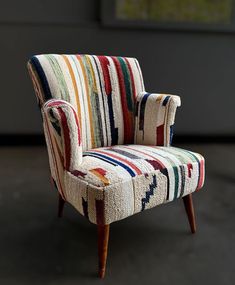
x,y
102,89
119,181
63,137
108,139
155,115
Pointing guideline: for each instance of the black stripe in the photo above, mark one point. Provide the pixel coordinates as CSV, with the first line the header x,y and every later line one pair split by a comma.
x,y
44,83
114,131
164,171
103,159
142,111
102,100
182,170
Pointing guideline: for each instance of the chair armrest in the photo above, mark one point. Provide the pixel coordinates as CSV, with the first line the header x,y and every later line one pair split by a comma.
x,y
63,133
154,118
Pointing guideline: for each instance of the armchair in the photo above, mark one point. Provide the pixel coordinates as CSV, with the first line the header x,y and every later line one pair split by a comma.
x,y
109,141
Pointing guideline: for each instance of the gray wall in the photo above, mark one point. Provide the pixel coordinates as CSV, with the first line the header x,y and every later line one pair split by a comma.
x,y
200,67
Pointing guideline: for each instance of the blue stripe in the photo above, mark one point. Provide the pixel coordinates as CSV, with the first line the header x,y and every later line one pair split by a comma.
x,y
44,83
149,193
165,100
128,169
105,160
171,133
142,110
164,171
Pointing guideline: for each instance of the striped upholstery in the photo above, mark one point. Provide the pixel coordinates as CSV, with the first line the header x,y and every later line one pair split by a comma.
x,y
162,108
102,89
63,136
108,140
119,181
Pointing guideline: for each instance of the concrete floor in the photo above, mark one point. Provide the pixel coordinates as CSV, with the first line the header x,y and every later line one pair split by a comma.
x,y
154,247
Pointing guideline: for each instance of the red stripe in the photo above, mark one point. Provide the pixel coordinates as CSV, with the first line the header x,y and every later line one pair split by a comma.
x,y
57,103
190,167
78,173
160,135
127,116
101,171
202,174
54,103
163,166
104,65
67,146
138,171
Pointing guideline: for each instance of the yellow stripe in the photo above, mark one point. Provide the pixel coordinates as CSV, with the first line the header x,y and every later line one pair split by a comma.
x,y
89,103
94,86
159,98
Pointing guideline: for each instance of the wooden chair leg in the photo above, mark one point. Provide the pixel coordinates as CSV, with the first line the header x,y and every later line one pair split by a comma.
x,y
103,239
61,203
188,204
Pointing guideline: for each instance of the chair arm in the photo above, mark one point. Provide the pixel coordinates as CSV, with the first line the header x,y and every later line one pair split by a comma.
x,y
63,133
154,118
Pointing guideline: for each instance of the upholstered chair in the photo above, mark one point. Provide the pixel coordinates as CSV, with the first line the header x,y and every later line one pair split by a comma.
x,y
109,140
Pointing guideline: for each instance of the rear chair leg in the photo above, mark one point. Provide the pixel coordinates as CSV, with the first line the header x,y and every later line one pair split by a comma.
x,y
61,203
103,239
188,204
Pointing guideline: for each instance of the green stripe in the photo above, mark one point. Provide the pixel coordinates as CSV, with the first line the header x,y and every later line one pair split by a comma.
x,y
188,154
194,158
81,96
93,100
182,155
176,172
183,179
127,81
59,77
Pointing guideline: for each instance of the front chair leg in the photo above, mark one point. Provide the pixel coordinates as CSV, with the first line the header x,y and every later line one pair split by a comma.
x,y
103,239
61,203
188,204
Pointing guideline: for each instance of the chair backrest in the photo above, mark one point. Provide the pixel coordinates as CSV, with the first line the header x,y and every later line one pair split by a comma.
x,y
103,90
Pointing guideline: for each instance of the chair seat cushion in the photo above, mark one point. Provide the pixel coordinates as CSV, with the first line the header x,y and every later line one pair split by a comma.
x,y
115,182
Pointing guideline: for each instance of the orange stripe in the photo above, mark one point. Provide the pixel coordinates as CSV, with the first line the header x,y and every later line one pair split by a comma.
x,y
89,101
101,177
159,98
74,85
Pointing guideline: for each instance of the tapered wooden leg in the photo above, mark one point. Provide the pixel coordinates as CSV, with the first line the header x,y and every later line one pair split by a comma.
x,y
61,203
103,240
188,204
